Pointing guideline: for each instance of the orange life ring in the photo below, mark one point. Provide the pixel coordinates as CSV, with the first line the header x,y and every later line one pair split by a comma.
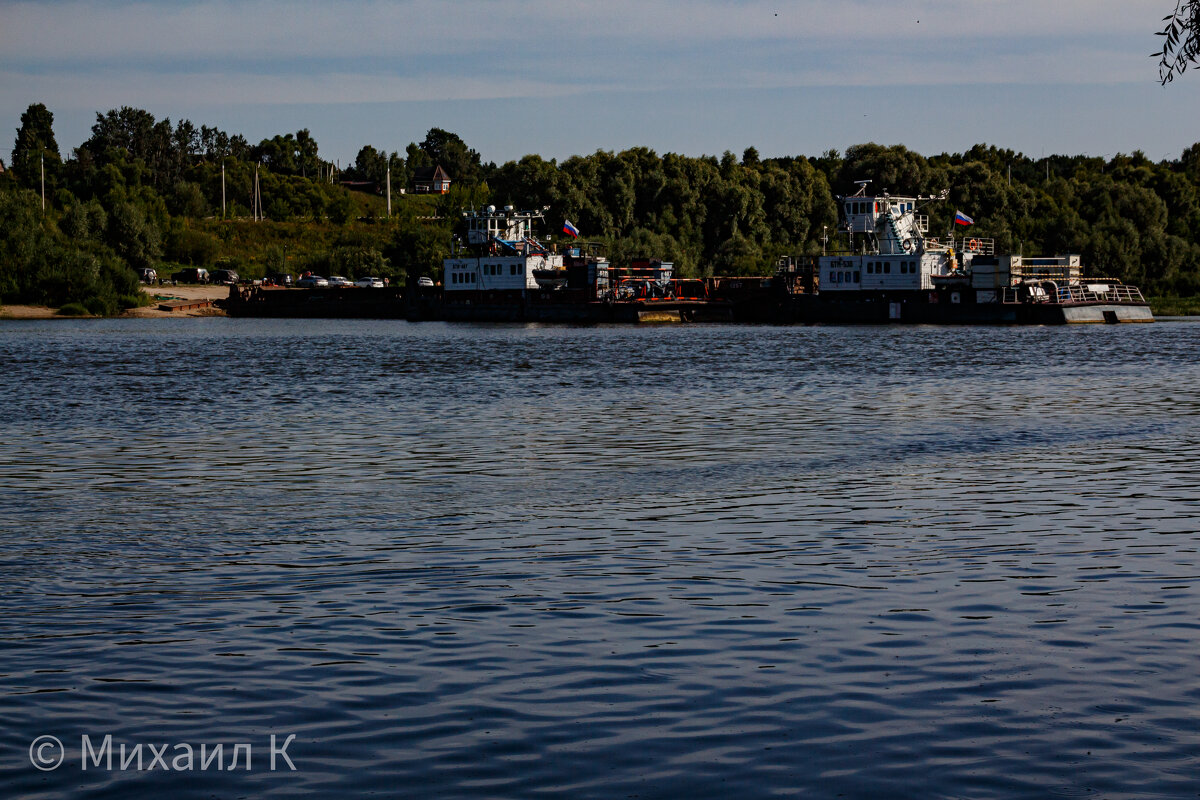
x,y
973,245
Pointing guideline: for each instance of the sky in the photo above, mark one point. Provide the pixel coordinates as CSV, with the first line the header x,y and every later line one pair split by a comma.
x,y
565,77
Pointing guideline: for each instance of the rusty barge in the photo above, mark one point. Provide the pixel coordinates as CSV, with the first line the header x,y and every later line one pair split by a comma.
x,y
887,270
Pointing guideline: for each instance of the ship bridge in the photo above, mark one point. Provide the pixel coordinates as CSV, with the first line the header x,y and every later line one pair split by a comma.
x,y
508,227
893,222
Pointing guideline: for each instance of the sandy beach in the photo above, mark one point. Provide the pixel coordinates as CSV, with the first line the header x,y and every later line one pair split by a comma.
x,y
158,294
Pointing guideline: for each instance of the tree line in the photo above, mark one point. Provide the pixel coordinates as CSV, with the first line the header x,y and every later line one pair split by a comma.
x,y
142,192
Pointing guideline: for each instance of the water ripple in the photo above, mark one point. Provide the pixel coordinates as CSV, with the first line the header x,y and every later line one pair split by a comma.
x,y
518,561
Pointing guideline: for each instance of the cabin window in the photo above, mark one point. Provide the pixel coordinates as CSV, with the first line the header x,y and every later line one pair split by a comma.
x,y
857,277
887,269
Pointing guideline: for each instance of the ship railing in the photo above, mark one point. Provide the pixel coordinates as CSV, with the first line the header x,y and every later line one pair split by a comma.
x,y
974,244
1095,292
1100,293
1059,273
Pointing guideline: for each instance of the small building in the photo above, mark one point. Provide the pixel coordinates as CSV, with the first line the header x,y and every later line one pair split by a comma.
x,y
1,166
430,180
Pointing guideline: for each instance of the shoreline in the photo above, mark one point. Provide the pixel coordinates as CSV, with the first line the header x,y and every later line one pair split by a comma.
x,y
158,294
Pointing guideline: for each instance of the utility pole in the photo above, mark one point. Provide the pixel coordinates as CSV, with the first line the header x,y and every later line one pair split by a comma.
x,y
389,190
222,190
258,215
42,160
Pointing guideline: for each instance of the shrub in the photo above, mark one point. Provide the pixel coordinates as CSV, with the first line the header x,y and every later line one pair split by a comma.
x,y
73,310
99,306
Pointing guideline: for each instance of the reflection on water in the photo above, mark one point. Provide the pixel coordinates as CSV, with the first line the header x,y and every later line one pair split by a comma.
x,y
523,561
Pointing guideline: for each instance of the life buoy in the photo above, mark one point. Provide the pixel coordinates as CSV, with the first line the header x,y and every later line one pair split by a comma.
x,y
908,245
973,245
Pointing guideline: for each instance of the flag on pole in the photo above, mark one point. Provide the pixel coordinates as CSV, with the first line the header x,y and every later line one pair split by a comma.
x,y
963,219
570,229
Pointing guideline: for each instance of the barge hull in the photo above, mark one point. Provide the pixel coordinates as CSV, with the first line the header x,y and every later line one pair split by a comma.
x,y
809,309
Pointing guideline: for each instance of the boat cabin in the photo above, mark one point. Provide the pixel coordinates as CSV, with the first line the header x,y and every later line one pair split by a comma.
x,y
500,253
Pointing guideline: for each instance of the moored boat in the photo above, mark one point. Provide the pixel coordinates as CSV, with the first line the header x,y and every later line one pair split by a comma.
x,y
888,269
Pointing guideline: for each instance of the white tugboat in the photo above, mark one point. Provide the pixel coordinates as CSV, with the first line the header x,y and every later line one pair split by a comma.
x,y
890,264
498,270
500,253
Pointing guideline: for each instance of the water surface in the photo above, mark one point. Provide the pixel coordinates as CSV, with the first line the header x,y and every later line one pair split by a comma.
x,y
536,561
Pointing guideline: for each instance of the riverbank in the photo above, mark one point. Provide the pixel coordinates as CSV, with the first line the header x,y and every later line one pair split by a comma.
x,y
157,294
1164,306
1160,306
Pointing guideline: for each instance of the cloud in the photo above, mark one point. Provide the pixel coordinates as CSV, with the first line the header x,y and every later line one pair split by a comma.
x,y
94,54
215,88
44,32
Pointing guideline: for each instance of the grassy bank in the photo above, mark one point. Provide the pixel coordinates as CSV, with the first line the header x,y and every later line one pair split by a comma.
x,y
1166,306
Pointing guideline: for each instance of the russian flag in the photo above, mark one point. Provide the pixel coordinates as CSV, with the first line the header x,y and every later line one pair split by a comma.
x,y
570,229
963,219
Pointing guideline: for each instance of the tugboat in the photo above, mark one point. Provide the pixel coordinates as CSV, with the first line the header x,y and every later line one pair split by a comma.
x,y
890,270
498,271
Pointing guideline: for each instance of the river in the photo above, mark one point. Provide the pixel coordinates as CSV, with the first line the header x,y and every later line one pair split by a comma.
x,y
537,561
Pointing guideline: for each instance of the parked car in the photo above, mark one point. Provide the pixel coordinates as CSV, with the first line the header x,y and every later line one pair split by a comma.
x,y
225,276
147,275
278,279
339,281
425,282
312,282
191,275
369,283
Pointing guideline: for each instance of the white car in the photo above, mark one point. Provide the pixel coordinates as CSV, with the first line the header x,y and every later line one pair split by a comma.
x,y
339,282
312,282
369,283
425,282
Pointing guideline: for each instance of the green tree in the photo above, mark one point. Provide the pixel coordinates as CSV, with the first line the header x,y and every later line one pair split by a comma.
x,y
370,165
35,140
452,154
1181,40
